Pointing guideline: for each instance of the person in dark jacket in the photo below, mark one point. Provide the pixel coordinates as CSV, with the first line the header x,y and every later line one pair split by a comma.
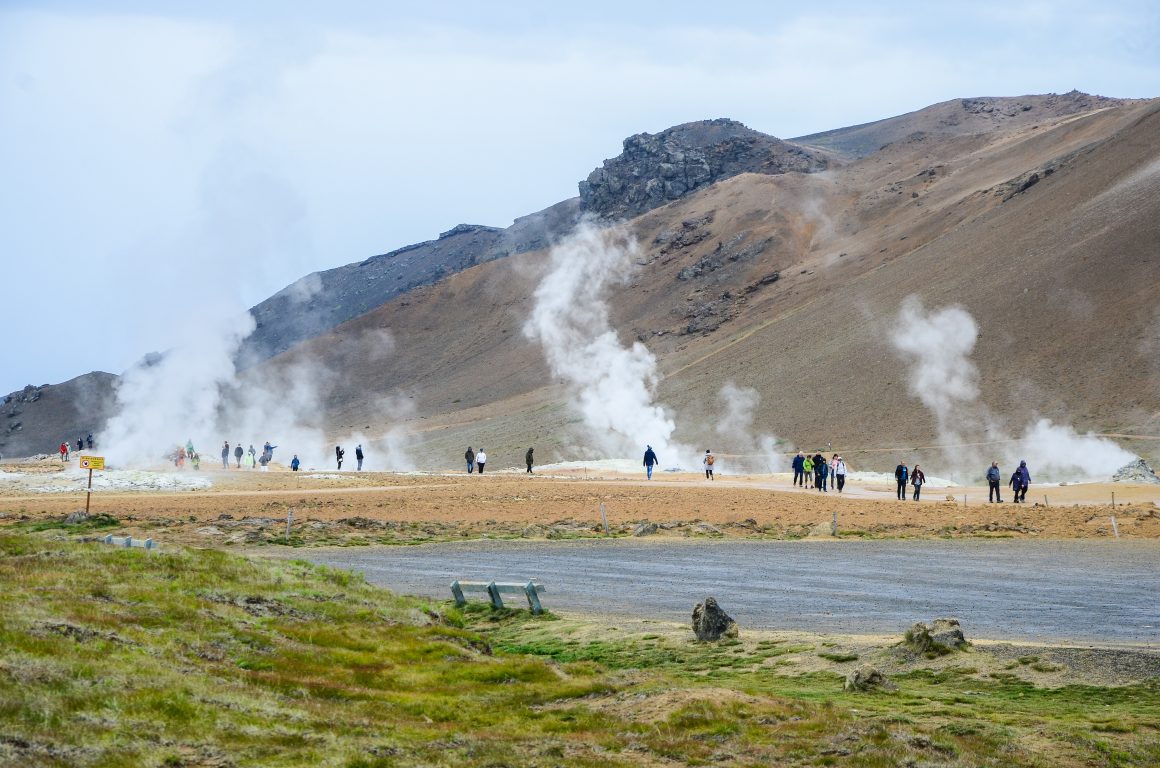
x,y
89,441
900,476
528,459
469,456
994,477
1020,480
238,453
338,454
650,459
294,463
358,454
917,478
799,469
226,455
821,470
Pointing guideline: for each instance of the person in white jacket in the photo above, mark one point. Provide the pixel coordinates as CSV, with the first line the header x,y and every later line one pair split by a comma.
x,y
708,463
480,460
840,473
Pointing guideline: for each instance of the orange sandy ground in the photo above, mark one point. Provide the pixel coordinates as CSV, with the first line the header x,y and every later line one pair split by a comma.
x,y
248,507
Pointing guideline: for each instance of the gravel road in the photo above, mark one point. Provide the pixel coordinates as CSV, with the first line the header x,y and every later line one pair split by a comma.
x,y
1094,593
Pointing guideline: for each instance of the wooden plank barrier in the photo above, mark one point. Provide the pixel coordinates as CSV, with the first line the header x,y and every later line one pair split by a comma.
x,y
494,589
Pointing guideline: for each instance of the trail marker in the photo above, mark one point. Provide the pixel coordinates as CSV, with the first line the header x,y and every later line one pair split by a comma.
x,y
90,463
604,518
1115,528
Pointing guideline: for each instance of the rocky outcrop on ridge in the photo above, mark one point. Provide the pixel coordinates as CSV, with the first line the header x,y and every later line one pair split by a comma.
x,y
655,169
1137,471
37,419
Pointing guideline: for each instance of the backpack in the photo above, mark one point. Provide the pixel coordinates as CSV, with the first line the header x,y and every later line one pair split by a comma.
x,y
710,459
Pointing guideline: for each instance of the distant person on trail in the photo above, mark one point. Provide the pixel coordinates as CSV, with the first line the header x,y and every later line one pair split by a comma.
x,y
840,474
833,468
226,455
994,477
650,460
917,478
469,457
480,460
799,469
80,445
808,469
64,452
89,440
294,463
528,459
251,457
1020,481
358,454
188,446
821,468
338,454
708,463
195,460
901,476
238,453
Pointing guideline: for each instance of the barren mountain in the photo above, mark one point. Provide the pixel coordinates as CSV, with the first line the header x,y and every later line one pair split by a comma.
x,y
781,266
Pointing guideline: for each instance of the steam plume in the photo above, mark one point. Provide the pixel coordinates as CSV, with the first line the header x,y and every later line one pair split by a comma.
x,y
752,452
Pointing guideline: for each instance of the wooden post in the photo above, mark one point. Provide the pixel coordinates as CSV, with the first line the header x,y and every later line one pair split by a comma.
x,y
89,492
1045,501
289,519
834,525
604,518
1115,528
1113,499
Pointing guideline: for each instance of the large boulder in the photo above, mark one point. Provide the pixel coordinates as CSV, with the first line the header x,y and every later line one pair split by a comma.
x,y
1137,471
712,623
940,637
866,679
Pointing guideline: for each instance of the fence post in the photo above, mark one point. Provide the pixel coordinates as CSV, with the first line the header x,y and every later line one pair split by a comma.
x,y
1115,528
493,593
604,518
834,525
533,598
457,593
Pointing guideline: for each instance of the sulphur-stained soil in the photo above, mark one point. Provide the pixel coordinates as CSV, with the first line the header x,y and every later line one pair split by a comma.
x,y
251,507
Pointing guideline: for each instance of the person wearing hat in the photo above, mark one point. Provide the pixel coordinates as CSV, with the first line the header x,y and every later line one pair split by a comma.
x,y
840,473
708,463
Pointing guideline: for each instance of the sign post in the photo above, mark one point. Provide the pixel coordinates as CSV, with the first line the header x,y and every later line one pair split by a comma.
x,y
90,463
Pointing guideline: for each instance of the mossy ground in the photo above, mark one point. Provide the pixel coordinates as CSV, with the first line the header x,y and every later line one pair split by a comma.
x,y
111,657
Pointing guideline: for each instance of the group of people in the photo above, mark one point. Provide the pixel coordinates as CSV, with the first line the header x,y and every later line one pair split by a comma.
x,y
340,454
252,457
476,460
1020,482
915,476
66,447
815,472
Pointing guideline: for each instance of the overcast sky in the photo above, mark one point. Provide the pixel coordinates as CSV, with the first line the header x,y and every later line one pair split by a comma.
x,y
163,161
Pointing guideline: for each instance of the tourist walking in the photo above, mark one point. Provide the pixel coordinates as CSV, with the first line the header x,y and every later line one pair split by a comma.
x,y
900,476
708,463
840,474
338,454
650,460
808,469
480,460
470,457
358,455
821,468
917,478
64,451
994,477
89,440
528,459
238,453
799,469
1020,481
294,463
226,455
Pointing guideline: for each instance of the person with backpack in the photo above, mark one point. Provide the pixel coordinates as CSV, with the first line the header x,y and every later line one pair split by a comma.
x,y
1020,481
238,452
808,469
528,459
650,460
358,455
994,477
469,456
799,467
821,469
917,478
840,474
338,454
707,463
480,460
900,477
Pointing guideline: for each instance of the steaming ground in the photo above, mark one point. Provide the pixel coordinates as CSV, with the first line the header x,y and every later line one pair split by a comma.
x,y
249,508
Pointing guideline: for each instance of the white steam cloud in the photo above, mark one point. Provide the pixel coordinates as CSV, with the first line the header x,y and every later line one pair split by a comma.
x,y
937,347
749,451
614,384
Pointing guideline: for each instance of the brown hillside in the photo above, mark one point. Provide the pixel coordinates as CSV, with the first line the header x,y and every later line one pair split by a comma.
x,y
1061,276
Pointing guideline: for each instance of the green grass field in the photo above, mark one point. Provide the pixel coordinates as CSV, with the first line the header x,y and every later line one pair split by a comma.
x,y
111,657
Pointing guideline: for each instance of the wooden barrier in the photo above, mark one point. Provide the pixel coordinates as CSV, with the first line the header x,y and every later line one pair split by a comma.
x,y
496,588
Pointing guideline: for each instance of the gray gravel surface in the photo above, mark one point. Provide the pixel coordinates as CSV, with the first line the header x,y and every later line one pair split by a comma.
x,y
1081,592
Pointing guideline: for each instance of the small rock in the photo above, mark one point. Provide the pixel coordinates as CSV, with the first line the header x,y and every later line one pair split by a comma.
x,y
712,623
940,637
645,529
77,517
865,679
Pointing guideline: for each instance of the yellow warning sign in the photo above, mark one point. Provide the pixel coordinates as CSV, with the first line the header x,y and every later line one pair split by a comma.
x,y
92,462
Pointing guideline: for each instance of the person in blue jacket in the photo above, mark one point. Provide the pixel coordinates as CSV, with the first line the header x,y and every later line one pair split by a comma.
x,y
901,475
1019,482
994,477
650,459
799,469
294,463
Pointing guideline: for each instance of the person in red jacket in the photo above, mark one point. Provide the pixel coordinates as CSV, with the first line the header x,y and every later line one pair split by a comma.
x,y
64,452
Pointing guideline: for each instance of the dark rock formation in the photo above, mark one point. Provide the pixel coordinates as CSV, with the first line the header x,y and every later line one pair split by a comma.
x,y
36,420
712,623
940,637
655,169
866,679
